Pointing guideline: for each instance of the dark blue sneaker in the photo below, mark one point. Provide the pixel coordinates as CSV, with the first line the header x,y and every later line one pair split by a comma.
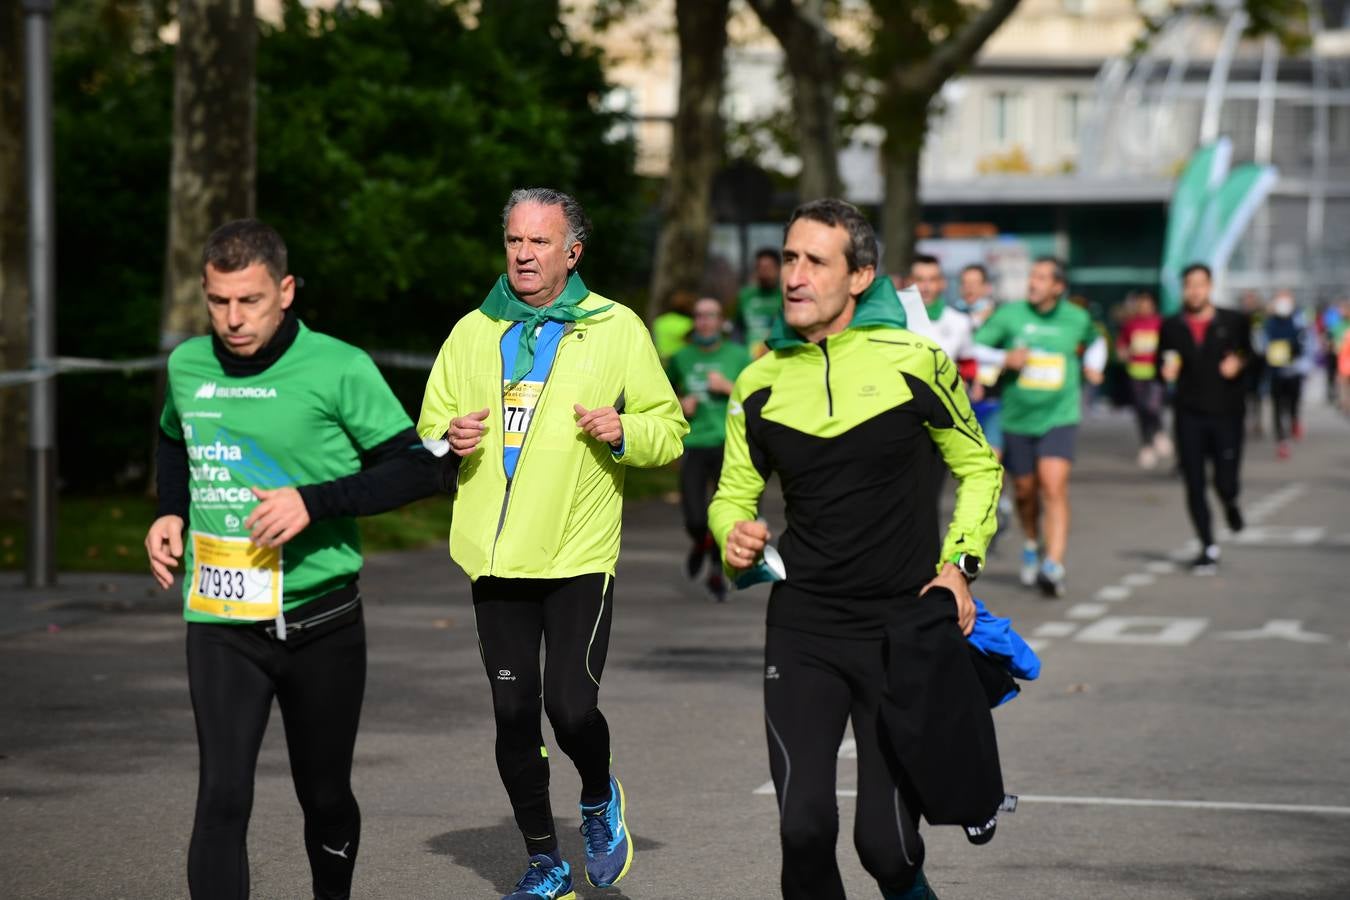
x,y
917,891
609,852
544,879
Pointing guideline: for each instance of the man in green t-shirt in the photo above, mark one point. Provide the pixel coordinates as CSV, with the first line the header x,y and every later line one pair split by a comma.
x,y
273,437
703,374
1038,343
758,304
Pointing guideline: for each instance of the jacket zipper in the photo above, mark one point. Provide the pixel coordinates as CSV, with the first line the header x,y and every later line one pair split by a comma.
x,y
520,458
829,395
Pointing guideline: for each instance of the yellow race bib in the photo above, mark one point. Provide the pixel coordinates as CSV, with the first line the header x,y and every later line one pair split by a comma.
x,y
1279,353
1143,343
234,579
1042,372
518,403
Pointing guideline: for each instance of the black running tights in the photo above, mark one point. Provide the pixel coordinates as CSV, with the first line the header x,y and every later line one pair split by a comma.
x,y
572,617
1201,440
233,674
813,686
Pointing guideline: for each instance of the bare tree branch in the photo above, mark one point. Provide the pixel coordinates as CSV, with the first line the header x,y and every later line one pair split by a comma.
x,y
958,50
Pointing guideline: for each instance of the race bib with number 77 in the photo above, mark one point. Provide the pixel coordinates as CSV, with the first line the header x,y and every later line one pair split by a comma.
x,y
233,578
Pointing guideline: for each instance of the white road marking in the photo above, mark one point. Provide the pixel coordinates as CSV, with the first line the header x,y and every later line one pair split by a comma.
x,y
1187,804
1055,629
1282,535
1143,630
1146,802
1161,567
1113,593
1280,629
1138,579
1086,610
1037,645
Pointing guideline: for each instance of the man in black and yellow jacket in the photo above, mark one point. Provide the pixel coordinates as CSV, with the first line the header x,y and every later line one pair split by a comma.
x,y
855,414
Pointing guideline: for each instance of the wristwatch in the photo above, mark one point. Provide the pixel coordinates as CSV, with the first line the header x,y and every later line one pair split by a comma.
x,y
970,565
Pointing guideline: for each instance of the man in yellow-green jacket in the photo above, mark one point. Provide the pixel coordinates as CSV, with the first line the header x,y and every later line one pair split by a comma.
x,y
547,393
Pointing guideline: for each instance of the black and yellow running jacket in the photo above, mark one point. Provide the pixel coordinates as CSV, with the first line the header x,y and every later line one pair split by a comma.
x,y
856,426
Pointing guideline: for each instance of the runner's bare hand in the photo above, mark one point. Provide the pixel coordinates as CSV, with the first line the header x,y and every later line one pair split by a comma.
x,y
603,424
280,516
164,546
745,543
951,578
466,431
720,384
1016,358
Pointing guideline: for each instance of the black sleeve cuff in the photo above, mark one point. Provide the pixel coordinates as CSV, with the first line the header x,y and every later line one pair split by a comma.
x,y
171,478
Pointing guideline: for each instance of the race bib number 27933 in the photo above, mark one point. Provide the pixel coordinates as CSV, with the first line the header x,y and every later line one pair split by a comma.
x,y
232,578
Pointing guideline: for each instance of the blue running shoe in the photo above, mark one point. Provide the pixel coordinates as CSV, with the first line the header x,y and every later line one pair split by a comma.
x,y
920,890
544,879
1031,564
609,852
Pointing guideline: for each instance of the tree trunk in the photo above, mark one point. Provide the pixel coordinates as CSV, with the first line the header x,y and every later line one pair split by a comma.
x,y
901,212
13,267
213,171
815,65
696,152
817,136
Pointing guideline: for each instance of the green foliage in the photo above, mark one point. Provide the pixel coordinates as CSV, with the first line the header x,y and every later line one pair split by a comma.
x,y
111,137
387,144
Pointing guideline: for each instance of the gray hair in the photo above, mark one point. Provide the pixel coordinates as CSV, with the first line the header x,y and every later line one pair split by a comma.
x,y
578,226
861,251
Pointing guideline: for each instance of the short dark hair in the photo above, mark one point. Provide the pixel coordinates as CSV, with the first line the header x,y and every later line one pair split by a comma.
x,y
1197,267
1061,274
769,252
861,251
926,259
977,267
239,244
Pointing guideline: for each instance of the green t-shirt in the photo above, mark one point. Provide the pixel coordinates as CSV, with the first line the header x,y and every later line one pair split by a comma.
x,y
306,419
669,332
689,370
1047,392
756,309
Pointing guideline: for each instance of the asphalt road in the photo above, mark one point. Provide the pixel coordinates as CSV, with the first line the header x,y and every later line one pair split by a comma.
x,y
1189,738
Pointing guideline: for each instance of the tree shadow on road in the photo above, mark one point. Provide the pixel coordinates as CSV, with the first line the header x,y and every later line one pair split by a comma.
x,y
495,854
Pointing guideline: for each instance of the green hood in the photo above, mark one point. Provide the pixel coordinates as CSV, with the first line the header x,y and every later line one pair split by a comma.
x,y
878,306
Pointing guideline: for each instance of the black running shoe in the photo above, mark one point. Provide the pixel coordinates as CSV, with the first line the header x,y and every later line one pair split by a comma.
x,y
1207,563
1234,517
693,563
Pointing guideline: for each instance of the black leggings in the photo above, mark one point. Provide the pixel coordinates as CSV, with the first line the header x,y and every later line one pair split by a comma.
x,y
700,468
572,617
1147,397
234,671
1286,394
1202,439
813,685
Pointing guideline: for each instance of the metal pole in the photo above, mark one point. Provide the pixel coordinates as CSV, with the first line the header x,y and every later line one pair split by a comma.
x,y
41,570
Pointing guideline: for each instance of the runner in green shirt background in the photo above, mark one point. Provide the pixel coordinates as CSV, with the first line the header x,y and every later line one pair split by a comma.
x,y
703,374
758,304
1038,342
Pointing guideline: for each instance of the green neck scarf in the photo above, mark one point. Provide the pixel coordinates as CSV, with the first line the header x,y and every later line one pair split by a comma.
x,y
879,305
936,308
502,303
